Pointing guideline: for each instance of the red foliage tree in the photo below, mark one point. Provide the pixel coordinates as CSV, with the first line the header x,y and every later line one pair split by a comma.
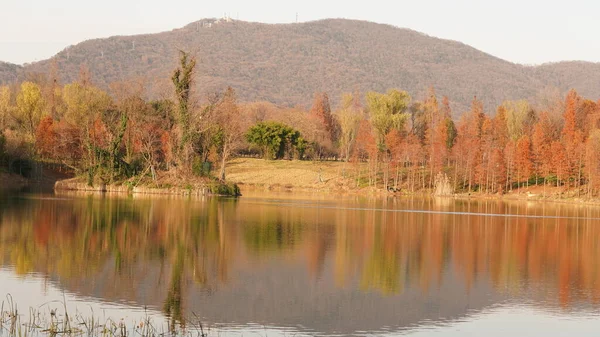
x,y
437,134
414,156
45,137
366,149
394,142
99,134
541,142
500,128
325,125
69,146
482,171
592,161
559,159
523,161
469,142
498,171
572,137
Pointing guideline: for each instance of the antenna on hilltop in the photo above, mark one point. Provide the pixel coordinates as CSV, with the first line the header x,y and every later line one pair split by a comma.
x,y
296,17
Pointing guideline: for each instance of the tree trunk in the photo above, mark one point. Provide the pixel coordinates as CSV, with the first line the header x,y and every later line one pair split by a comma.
x,y
224,156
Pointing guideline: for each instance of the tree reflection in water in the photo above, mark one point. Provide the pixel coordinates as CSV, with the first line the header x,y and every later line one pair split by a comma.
x,y
168,250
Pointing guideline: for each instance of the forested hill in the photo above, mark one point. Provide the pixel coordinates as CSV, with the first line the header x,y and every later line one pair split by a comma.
x,y
9,72
288,63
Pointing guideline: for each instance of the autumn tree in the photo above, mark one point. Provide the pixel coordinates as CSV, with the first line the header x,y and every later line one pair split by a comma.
x,y
467,152
162,112
84,106
5,106
520,118
366,150
587,116
523,159
483,170
325,126
592,161
128,100
572,138
348,118
498,171
206,132
229,122
541,142
560,161
394,144
436,135
45,137
387,111
419,124
450,131
112,160
414,157
510,157
30,108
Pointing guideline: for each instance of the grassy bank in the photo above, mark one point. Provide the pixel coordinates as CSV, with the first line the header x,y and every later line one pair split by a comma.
x,y
340,177
195,186
283,175
334,177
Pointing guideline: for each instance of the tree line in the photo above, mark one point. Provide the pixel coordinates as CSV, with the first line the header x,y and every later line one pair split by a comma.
x,y
390,140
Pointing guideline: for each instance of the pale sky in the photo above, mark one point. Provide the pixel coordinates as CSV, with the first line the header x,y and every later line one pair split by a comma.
x,y
522,31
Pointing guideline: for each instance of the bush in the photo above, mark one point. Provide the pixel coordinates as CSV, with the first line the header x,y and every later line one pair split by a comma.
x,y
277,140
225,189
200,168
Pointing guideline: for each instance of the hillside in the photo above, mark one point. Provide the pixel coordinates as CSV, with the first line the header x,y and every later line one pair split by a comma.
x,y
583,76
9,72
287,63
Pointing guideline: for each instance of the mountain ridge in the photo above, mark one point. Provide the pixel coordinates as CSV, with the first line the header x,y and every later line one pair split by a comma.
x,y
287,63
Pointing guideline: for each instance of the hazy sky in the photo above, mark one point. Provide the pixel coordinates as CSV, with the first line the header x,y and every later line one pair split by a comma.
x,y
523,31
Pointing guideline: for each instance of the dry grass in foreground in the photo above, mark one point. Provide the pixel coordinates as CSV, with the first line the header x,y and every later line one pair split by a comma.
x,y
53,319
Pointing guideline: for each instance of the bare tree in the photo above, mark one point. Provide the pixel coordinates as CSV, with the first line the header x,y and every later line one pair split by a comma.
x,y
230,130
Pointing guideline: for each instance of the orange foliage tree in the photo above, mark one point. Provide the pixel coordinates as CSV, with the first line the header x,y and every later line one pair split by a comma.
x,y
45,137
523,160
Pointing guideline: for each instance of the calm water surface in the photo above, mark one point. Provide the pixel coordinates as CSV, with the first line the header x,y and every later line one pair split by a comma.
x,y
288,265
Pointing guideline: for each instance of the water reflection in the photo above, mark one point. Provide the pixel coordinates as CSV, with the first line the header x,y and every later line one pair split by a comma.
x,y
317,265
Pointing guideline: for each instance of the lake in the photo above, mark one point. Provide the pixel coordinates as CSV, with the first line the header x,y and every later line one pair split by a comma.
x,y
302,265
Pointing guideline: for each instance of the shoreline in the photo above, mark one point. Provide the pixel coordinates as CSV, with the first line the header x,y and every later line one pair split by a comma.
x,y
69,186
10,182
213,189
295,177
381,193
339,178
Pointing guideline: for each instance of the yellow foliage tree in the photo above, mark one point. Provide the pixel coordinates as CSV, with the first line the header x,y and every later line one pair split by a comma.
x,y
30,107
84,103
387,111
5,108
